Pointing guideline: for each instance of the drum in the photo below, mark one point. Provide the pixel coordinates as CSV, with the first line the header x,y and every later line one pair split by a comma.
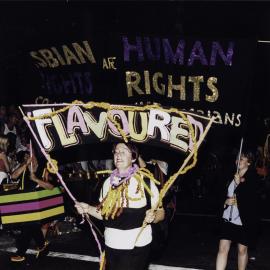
x,y
20,207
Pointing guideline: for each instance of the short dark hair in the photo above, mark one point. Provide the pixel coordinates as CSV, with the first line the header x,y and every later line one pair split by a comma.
x,y
249,155
132,147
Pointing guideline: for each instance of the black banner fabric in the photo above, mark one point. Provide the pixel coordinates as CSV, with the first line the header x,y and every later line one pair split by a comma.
x,y
60,127
210,77
132,54
206,75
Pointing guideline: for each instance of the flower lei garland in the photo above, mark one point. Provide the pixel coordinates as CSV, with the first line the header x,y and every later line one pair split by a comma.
x,y
113,203
118,178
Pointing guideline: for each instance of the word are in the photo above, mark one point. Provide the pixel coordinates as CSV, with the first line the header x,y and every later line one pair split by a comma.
x,y
109,63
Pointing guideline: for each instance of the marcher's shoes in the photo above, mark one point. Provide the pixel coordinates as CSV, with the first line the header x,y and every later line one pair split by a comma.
x,y
17,258
42,252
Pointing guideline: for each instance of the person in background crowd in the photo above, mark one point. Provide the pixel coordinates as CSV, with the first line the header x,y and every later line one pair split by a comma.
x,y
128,213
103,164
240,213
10,124
10,130
3,116
27,172
4,163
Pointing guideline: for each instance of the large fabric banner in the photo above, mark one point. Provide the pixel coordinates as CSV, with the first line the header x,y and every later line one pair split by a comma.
x,y
207,76
65,126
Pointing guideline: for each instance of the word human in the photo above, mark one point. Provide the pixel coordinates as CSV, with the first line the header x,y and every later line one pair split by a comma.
x,y
78,127
155,49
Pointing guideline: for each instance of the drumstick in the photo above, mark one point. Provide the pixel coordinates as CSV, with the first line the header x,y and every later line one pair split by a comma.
x,y
237,171
239,155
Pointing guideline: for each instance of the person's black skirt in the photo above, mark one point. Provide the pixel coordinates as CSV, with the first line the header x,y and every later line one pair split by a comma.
x,y
233,232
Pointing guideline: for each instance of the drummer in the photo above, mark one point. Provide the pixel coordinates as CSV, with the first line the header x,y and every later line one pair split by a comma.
x,y
27,172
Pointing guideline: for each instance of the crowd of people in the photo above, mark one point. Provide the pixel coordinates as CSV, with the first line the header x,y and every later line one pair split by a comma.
x,y
128,199
19,166
14,138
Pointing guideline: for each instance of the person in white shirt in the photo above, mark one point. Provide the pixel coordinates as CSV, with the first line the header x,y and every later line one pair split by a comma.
x,y
240,213
10,130
123,208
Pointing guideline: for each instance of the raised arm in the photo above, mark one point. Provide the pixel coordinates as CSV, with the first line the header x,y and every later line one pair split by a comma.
x,y
41,183
17,172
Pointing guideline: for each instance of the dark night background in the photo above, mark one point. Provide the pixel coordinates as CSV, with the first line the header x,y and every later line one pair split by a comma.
x,y
26,26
